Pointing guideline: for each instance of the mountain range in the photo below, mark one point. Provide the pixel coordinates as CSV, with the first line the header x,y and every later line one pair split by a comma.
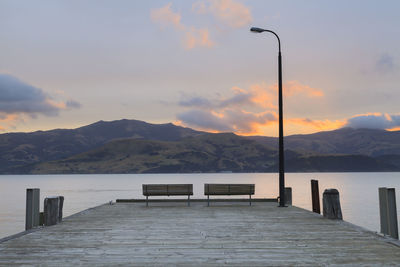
x,y
370,142
132,146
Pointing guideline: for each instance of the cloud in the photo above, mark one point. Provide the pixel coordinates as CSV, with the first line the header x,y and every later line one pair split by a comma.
x,y
394,129
72,104
321,125
18,97
292,88
264,96
244,111
200,7
191,36
251,111
240,98
245,122
229,12
8,121
259,95
385,64
230,120
197,37
164,16
368,120
204,120
199,102
374,121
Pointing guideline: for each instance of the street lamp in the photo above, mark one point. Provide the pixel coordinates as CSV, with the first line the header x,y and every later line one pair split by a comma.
x,y
281,155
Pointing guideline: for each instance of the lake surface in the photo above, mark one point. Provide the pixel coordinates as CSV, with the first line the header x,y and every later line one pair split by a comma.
x,y
358,191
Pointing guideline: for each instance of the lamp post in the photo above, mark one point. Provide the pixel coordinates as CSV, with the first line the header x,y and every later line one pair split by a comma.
x,y
281,151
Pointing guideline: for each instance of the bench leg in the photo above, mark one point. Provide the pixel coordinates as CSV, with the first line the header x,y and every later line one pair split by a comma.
x,y
188,200
208,200
250,199
147,201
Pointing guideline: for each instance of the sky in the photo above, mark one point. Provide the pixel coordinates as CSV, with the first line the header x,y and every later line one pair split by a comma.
x,y
66,64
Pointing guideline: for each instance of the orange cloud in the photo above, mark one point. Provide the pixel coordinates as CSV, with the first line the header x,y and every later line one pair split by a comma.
x,y
253,111
247,111
394,129
293,126
217,114
373,114
229,12
164,16
59,105
197,37
246,123
371,120
321,125
227,120
263,97
191,37
291,88
266,96
9,120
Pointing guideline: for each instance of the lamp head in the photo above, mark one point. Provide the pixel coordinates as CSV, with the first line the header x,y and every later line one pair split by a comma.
x,y
256,30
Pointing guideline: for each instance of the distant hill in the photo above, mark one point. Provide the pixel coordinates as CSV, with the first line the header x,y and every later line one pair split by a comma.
x,y
340,163
19,149
370,142
131,146
205,153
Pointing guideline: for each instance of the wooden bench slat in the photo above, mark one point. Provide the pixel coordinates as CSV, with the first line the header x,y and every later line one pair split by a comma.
x,y
229,189
167,189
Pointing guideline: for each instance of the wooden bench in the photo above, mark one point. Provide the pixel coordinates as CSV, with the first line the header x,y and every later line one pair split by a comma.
x,y
228,190
167,190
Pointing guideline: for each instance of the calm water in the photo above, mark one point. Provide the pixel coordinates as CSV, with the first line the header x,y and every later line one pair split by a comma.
x,y
358,191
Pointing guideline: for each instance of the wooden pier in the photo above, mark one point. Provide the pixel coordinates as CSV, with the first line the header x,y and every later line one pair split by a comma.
x,y
226,233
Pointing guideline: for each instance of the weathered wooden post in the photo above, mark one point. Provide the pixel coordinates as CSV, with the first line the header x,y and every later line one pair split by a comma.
x,y
315,196
288,196
32,208
52,210
331,204
60,209
388,212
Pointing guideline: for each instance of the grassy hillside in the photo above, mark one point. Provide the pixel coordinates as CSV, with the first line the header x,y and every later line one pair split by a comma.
x,y
130,146
19,149
369,142
206,153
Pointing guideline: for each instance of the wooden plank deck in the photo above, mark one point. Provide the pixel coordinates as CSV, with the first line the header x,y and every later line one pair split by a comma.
x,y
172,234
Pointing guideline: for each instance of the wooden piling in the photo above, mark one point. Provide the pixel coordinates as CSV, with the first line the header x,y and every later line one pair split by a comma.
x,y
52,210
388,212
288,196
331,204
315,196
60,209
32,208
